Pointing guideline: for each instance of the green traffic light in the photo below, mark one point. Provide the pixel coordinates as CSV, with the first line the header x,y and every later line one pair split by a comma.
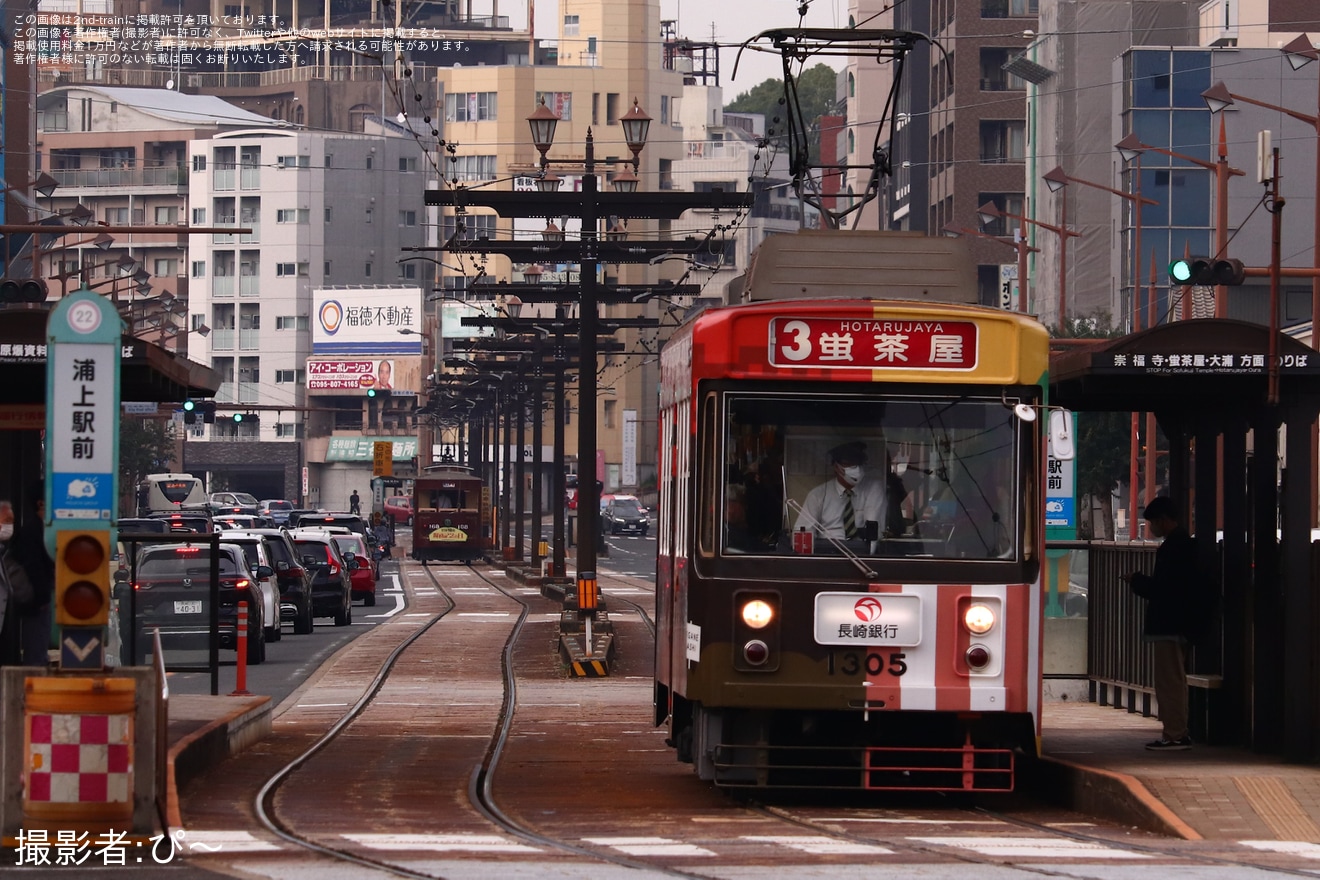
x,y
371,392
1181,271
238,417
189,406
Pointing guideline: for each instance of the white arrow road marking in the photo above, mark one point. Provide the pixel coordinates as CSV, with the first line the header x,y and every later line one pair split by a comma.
x,y
440,842
397,595
85,651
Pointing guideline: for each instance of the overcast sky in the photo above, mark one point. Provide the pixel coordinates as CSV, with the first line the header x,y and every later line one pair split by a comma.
x,y
733,21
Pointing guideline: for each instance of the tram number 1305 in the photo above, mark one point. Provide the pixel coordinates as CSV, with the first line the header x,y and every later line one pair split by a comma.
x,y
854,662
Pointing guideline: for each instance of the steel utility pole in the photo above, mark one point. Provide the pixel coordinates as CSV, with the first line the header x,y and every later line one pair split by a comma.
x,y
589,206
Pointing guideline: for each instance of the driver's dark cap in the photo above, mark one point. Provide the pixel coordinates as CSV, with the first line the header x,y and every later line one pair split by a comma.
x,y
852,452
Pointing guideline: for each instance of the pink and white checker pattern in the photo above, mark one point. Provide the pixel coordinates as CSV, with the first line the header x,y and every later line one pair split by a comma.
x,y
79,758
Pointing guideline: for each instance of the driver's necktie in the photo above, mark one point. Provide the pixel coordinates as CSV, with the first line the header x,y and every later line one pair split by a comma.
x,y
849,516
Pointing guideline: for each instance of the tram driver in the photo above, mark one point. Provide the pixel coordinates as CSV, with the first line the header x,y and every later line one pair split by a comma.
x,y
850,505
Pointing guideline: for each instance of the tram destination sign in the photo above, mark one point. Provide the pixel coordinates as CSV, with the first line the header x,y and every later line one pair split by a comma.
x,y
1201,363
873,344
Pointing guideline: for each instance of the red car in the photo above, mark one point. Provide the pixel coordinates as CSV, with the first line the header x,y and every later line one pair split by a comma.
x,y
399,507
362,576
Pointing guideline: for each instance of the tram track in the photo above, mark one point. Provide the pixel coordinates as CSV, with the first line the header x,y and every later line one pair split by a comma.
x,y
505,809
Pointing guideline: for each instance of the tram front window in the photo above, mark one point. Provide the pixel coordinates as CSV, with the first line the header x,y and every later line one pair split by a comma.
x,y
936,477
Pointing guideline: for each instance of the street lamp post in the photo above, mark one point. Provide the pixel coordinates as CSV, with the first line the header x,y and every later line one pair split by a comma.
x,y
1058,179
636,125
1299,53
989,212
1131,147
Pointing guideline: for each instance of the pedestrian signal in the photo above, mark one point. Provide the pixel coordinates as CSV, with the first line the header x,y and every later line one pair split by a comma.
x,y
82,577
1207,272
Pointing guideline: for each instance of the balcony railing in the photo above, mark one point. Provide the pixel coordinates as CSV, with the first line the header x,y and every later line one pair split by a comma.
x,y
249,340
172,176
249,285
222,285
222,339
225,393
248,392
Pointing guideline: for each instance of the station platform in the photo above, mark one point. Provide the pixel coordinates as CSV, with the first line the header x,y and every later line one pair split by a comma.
x,y
1095,762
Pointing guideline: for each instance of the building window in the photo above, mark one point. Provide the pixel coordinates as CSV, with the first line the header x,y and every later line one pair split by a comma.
x,y
1003,140
370,215
291,322
559,103
285,270
199,268
595,108
198,163
167,215
612,108
407,271
407,163
473,168
371,162
571,25
366,270
199,216
293,215
294,162
407,218
1008,8
165,266
664,109
607,413
471,106
325,270
116,216
286,429
993,76
327,214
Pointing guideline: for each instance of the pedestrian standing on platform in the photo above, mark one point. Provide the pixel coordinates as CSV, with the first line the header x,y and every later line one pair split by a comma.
x,y
15,591
29,549
1173,596
355,503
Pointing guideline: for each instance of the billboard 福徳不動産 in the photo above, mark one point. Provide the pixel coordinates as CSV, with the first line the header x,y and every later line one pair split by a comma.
x,y
359,322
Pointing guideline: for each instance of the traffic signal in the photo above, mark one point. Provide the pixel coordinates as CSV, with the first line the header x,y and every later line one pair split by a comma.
x,y
238,417
1207,272
31,290
189,412
208,412
378,393
82,577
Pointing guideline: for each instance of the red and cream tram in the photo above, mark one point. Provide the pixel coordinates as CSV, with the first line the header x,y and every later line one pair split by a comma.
x,y
451,516
905,654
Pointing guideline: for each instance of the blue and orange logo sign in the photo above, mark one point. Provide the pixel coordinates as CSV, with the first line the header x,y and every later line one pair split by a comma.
x,y
331,316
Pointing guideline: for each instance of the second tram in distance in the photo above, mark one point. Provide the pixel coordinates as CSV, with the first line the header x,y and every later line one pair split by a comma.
x,y
451,516
905,654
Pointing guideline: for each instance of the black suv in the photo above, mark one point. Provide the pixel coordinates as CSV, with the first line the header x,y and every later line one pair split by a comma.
x,y
173,592
294,580
625,515
332,589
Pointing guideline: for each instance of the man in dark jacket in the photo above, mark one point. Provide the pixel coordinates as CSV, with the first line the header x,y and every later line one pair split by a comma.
x,y
1173,594
30,551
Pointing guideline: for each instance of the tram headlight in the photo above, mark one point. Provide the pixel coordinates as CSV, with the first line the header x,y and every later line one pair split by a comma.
x,y
979,619
757,614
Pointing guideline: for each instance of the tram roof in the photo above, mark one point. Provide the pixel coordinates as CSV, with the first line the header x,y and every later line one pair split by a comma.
x,y
1183,365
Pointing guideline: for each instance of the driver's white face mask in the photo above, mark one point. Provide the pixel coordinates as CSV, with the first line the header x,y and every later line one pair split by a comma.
x,y
853,474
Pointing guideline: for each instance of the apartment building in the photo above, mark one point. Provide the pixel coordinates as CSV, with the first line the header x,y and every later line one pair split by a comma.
x,y
324,210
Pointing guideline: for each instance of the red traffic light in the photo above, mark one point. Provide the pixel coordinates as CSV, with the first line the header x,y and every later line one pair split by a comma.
x,y
82,577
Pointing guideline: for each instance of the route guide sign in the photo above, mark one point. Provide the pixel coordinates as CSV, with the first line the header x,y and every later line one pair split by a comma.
x,y
82,422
